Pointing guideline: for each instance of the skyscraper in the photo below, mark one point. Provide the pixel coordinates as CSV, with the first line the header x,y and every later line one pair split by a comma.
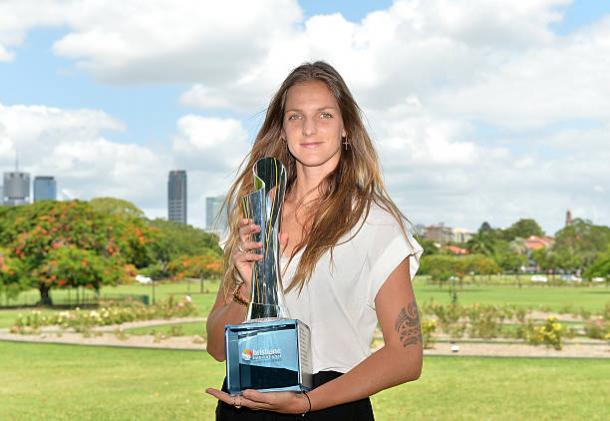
x,y
45,188
215,220
16,189
176,196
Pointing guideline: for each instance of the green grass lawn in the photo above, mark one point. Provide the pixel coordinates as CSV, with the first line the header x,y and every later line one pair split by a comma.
x,y
64,382
563,299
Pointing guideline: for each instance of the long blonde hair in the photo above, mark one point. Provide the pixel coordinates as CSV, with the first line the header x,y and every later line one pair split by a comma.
x,y
346,194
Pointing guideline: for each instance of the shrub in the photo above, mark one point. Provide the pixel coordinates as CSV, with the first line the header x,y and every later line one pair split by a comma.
x,y
597,328
550,333
428,327
83,321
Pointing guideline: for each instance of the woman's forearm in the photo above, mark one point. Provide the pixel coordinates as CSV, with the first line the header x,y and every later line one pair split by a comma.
x,y
387,367
229,313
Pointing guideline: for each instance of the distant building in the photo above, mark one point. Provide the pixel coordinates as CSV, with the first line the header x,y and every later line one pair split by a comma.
x,y
442,234
439,233
176,196
45,188
215,216
461,235
16,188
568,218
533,242
456,250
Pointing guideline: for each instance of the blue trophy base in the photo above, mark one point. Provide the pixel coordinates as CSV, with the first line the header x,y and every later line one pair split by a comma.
x,y
272,355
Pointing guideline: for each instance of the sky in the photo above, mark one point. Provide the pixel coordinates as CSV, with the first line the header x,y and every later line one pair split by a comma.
x,y
480,110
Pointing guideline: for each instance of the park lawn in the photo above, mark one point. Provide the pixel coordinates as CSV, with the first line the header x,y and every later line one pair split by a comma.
x,y
560,299
58,382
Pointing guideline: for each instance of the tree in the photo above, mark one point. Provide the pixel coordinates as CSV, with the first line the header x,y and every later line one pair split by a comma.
x,y
578,244
600,267
172,240
202,267
117,207
510,256
12,280
73,267
523,228
34,234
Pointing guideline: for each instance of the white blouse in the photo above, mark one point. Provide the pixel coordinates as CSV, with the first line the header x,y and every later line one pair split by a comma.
x,y
338,302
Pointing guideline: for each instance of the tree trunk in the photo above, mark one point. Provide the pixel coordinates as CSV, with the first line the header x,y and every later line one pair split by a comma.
x,y
201,284
45,298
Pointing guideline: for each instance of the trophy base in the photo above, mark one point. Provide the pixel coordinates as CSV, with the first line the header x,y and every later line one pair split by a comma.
x,y
270,355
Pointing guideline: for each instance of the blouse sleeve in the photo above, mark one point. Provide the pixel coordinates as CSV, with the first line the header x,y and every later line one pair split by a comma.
x,y
388,249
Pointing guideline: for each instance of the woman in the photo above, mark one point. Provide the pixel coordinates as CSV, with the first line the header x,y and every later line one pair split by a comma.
x,y
347,259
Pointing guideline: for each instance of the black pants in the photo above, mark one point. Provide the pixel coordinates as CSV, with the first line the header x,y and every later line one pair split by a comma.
x,y
353,411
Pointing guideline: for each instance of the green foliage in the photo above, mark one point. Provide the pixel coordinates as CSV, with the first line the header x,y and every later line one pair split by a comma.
x,y
103,244
116,207
73,267
429,246
204,266
523,228
12,280
509,256
428,327
598,328
578,245
600,267
440,267
173,240
550,333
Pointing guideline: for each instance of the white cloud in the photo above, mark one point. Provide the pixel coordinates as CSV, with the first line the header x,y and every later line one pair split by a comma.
x,y
6,55
210,144
69,145
429,75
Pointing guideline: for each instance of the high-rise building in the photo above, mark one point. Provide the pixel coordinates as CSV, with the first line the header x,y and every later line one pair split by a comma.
x,y
45,188
16,188
215,216
176,196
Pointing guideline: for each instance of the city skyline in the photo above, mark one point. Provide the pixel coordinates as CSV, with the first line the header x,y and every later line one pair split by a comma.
x,y
477,115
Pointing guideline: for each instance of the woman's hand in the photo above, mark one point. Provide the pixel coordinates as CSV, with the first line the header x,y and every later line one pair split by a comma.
x,y
244,255
282,402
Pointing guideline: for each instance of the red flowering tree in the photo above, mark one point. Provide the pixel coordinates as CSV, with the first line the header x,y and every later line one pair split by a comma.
x,y
68,244
73,267
201,267
12,280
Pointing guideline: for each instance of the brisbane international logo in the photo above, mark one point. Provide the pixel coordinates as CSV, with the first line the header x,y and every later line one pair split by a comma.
x,y
246,354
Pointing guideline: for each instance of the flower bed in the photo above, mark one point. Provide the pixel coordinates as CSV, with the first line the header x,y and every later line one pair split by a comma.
x,y
83,320
489,322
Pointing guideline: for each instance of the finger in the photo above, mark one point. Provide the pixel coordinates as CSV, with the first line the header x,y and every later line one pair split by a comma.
x,y
251,245
220,395
283,240
246,231
254,404
259,397
232,400
248,257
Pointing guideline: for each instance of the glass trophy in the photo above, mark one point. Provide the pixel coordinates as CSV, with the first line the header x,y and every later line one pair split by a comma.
x,y
269,351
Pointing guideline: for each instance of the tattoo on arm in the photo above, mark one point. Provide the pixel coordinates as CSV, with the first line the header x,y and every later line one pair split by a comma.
x,y
407,325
